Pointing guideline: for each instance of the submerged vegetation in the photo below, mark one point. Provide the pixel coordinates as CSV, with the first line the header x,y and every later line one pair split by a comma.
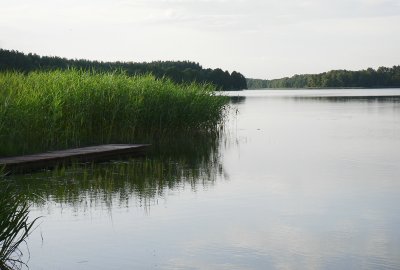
x,y
42,111
369,78
177,71
15,227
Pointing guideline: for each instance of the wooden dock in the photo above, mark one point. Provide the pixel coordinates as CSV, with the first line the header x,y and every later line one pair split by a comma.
x,y
64,157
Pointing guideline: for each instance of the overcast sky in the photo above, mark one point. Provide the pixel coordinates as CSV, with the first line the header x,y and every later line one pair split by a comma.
x,y
259,38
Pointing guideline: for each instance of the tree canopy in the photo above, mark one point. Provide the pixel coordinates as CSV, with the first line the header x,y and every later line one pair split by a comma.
x,y
177,71
369,78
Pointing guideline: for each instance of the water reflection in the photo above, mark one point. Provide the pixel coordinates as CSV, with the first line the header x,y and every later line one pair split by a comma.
x,y
237,99
312,184
171,164
369,99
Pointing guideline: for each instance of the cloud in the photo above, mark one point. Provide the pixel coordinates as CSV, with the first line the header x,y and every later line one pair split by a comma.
x,y
232,15
258,37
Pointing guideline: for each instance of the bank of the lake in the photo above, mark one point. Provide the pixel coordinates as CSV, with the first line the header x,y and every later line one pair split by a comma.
x,y
43,111
299,180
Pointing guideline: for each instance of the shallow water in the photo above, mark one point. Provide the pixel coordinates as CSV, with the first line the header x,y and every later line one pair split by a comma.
x,y
300,179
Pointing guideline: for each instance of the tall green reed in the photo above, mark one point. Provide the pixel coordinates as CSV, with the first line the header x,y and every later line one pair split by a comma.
x,y
59,109
15,227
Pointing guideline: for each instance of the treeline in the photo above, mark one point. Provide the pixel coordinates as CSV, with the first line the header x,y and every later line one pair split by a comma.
x,y
369,78
177,71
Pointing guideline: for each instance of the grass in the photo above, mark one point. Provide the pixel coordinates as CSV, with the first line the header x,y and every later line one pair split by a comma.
x,y
61,109
14,227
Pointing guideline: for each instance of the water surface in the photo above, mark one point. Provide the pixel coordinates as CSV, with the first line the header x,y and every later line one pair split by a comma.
x,y
300,179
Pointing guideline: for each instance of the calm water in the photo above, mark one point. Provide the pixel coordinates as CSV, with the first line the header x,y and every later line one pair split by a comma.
x,y
306,179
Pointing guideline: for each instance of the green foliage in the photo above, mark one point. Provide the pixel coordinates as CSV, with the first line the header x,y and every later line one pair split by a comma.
x,y
61,109
177,71
14,227
369,78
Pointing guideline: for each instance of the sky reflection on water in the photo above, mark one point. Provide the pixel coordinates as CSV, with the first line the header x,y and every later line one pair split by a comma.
x,y
293,184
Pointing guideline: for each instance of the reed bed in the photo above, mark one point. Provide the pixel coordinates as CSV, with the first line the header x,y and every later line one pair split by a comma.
x,y
43,111
15,227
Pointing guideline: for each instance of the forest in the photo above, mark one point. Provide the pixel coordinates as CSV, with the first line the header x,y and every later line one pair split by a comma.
x,y
383,77
177,71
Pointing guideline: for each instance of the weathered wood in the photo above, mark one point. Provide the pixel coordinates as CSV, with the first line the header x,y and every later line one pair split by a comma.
x,y
84,154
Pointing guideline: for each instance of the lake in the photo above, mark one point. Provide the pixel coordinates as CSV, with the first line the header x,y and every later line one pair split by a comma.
x,y
298,179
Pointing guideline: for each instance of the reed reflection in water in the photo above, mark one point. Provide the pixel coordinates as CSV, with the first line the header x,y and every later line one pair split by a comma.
x,y
313,184
172,163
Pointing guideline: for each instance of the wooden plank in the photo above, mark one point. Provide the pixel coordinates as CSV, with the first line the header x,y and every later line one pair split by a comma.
x,y
84,154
